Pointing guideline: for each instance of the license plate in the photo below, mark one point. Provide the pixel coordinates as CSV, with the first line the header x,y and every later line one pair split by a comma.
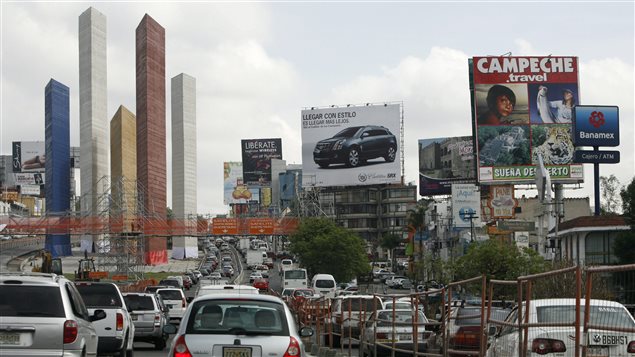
x,y
597,351
10,339
405,337
236,352
607,340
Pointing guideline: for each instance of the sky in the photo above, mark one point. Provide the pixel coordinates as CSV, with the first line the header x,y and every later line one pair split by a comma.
x,y
258,64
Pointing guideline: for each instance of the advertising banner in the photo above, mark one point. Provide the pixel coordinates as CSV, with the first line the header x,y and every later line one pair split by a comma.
x,y
523,106
28,156
351,145
257,155
30,190
466,204
502,202
596,125
443,162
29,178
235,191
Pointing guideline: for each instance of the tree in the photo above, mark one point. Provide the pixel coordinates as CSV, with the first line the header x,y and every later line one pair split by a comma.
x,y
624,245
609,187
324,247
389,242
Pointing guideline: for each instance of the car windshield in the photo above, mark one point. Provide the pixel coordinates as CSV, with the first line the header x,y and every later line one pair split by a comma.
x,y
470,316
599,315
95,295
348,132
31,301
237,317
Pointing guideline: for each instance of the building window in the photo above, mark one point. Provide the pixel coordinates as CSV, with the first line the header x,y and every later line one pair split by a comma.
x,y
599,248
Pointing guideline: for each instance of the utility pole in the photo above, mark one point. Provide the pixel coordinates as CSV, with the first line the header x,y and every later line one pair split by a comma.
x,y
471,216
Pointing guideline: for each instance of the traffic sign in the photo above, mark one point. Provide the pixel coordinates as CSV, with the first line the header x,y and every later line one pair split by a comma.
x,y
596,157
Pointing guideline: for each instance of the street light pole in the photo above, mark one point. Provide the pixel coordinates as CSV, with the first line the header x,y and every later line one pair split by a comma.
x,y
471,215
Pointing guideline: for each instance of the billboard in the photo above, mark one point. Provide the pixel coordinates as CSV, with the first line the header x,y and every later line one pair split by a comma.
x,y
502,202
443,162
28,156
351,145
234,189
523,107
466,204
29,178
30,190
596,125
257,155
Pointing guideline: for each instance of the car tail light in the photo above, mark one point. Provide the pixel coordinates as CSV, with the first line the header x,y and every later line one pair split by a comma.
x,y
180,348
293,349
119,321
631,347
70,331
382,335
542,346
157,319
466,337
184,302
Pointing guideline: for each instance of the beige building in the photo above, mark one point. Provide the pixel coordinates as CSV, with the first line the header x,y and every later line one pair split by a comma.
x,y
123,166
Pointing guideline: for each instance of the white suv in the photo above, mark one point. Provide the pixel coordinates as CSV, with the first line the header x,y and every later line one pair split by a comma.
x,y
44,314
174,299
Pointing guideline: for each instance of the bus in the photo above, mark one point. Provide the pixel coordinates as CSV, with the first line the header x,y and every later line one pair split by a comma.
x,y
294,278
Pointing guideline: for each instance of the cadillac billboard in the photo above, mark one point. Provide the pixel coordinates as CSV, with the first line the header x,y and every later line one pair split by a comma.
x,y
257,155
234,189
351,145
522,108
28,156
443,162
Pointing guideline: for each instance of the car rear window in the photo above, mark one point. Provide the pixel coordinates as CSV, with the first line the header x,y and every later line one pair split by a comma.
x,y
139,302
100,295
358,304
170,294
324,284
31,301
599,315
237,316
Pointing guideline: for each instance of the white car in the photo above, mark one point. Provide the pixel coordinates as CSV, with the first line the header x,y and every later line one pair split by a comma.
x,y
255,275
174,298
224,325
559,341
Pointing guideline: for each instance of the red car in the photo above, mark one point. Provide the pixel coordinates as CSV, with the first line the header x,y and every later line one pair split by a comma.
x,y
261,284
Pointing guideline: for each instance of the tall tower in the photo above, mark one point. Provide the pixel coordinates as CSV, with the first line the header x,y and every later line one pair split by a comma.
x,y
58,164
93,120
151,151
184,162
123,167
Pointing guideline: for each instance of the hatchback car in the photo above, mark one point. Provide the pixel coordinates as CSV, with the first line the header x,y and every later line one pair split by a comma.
x,y
355,145
175,300
232,325
149,315
44,314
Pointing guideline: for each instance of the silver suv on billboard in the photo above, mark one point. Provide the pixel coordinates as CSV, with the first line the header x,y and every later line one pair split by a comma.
x,y
355,145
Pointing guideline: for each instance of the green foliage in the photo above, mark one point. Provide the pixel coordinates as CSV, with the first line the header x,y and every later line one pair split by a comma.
x,y
624,245
610,199
628,203
324,247
498,260
390,241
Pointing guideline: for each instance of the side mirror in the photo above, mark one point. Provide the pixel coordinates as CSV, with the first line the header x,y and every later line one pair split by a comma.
x,y
491,330
189,299
98,315
165,309
306,331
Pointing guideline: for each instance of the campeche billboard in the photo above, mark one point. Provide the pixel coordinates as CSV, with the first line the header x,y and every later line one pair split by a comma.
x,y
351,145
443,162
522,108
257,155
28,156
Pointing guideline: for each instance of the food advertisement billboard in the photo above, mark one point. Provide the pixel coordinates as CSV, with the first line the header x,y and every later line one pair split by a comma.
x,y
28,156
443,162
522,108
235,191
257,155
351,145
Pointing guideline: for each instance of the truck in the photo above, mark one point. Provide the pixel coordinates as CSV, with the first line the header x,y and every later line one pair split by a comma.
x,y
255,258
116,331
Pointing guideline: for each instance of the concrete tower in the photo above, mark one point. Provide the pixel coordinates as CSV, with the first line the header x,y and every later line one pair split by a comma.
x,y
151,150
93,119
58,164
123,166
184,162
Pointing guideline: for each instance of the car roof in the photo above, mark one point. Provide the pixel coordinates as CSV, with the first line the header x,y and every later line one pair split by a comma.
x,y
32,278
237,297
565,301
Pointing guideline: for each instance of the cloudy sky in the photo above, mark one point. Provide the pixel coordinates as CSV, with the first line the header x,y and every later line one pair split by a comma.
x,y
257,65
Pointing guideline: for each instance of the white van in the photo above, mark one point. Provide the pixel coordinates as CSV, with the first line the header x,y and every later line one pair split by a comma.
x,y
324,284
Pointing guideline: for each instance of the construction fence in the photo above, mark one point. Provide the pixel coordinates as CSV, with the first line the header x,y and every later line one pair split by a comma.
x,y
567,312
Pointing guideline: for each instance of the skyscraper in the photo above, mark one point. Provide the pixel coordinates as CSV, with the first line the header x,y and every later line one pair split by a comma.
x,y
57,164
123,167
93,120
151,150
184,162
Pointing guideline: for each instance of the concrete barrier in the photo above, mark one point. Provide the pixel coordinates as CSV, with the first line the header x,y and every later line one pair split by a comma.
x,y
322,352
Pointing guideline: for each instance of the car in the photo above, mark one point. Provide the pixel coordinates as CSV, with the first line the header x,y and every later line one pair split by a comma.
x,y
390,280
227,271
222,325
45,314
348,313
264,270
386,329
215,276
254,275
261,284
226,289
353,146
401,283
153,288
170,282
558,340
174,299
464,328
187,282
149,316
